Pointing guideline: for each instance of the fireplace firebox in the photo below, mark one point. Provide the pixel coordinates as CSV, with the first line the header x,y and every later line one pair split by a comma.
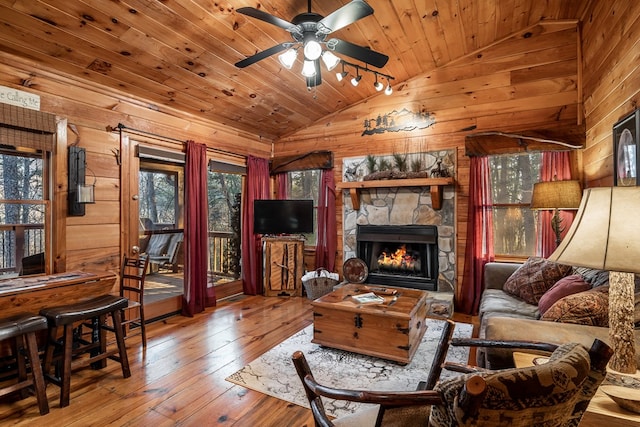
x,y
400,255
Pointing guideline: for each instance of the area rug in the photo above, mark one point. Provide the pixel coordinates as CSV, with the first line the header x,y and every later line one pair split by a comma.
x,y
273,373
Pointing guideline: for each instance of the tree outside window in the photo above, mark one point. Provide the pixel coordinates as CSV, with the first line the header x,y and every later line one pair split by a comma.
x,y
224,193
304,185
514,224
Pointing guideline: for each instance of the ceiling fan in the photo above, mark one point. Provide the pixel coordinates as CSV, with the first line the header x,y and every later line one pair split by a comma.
x,y
310,30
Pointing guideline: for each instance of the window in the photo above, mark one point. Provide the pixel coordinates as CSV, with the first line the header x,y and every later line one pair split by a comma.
x,y
23,212
158,199
514,223
225,190
306,185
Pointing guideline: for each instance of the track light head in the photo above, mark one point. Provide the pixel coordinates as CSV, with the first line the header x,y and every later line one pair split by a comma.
x,y
388,90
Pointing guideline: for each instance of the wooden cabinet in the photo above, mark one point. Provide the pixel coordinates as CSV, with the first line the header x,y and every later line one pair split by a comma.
x,y
283,265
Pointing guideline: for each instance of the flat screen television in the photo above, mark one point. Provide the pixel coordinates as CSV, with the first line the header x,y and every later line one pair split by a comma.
x,y
282,216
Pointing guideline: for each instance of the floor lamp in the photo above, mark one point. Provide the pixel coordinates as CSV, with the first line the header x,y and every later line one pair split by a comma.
x,y
605,235
556,196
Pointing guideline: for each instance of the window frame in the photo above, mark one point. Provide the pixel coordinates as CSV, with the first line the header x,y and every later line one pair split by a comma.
x,y
45,201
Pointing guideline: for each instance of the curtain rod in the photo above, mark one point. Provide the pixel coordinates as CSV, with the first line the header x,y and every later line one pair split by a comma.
x,y
120,127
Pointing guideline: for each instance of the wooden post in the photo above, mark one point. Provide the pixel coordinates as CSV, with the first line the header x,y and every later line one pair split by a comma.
x,y
621,306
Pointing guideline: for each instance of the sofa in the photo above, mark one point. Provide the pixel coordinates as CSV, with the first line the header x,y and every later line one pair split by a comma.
x,y
574,317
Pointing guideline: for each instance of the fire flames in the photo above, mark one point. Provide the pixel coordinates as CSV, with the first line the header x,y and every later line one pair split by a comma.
x,y
400,259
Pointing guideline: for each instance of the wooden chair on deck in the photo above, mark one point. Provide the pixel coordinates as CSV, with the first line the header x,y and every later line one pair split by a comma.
x,y
552,394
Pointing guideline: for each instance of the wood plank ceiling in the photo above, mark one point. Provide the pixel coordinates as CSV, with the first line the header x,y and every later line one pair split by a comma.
x,y
180,54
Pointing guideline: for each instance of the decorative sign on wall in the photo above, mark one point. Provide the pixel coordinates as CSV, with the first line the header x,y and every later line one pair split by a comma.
x,y
395,121
19,98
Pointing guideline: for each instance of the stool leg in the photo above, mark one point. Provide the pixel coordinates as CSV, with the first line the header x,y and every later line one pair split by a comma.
x,y
117,326
36,370
21,369
49,349
65,375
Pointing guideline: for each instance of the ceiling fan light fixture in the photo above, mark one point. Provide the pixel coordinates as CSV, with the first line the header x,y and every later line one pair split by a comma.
x,y
288,58
330,60
312,50
309,69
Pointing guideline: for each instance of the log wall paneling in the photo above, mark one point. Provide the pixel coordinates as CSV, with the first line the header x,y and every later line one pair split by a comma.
x,y
520,84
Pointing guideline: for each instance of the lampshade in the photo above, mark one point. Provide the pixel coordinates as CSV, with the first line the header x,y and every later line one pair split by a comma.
x,y
605,232
563,195
605,235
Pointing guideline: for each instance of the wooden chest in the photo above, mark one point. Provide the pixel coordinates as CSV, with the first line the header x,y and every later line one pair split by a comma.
x,y
390,330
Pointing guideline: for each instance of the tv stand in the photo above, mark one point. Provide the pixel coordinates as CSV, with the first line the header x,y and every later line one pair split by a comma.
x,y
283,265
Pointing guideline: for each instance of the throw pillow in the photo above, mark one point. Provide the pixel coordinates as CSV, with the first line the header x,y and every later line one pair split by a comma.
x,y
535,277
584,308
566,286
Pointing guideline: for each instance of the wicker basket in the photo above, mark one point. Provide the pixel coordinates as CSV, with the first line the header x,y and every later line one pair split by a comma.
x,y
319,285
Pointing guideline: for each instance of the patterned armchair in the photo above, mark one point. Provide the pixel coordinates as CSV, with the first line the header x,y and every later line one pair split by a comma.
x,y
552,394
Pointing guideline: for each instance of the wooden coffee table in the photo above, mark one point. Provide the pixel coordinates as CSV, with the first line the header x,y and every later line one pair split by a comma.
x,y
390,330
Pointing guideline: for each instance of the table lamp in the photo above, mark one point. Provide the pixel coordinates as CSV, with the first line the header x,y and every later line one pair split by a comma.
x,y
605,235
556,196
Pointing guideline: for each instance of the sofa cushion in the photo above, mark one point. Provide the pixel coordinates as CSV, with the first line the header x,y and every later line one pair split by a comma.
x,y
568,285
501,303
534,278
585,308
593,276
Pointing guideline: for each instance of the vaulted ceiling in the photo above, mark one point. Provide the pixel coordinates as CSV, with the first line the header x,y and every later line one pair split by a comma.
x,y
180,54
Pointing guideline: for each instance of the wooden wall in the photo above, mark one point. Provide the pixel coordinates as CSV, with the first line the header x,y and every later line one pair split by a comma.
x,y
611,46
526,81
93,241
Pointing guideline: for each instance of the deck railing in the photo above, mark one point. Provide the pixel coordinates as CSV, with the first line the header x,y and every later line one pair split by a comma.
x,y
18,241
219,249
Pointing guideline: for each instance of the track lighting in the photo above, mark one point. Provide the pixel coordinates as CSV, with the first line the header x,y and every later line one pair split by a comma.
x,y
357,78
377,84
342,75
309,68
288,58
388,90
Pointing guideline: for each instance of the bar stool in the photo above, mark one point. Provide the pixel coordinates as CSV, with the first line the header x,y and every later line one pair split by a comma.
x,y
94,310
23,327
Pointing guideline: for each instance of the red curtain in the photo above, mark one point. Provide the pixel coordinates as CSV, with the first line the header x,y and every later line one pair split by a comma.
x,y
198,294
282,181
257,188
327,229
479,249
555,165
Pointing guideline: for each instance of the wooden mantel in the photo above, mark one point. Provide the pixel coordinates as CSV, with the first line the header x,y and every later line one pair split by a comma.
x,y
436,185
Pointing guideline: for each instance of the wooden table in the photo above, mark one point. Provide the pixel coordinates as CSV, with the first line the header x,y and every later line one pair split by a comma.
x,y
32,293
390,330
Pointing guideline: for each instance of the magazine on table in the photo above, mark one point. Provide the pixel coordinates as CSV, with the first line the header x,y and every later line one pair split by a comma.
x,y
368,298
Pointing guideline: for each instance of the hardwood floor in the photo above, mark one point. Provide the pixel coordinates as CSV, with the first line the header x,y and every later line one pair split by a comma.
x,y
180,380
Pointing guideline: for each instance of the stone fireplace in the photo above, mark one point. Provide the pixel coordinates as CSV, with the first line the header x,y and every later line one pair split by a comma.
x,y
396,208
400,255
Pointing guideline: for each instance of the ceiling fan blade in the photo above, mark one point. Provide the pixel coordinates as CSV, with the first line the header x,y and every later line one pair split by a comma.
x,y
266,17
347,14
262,55
360,53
